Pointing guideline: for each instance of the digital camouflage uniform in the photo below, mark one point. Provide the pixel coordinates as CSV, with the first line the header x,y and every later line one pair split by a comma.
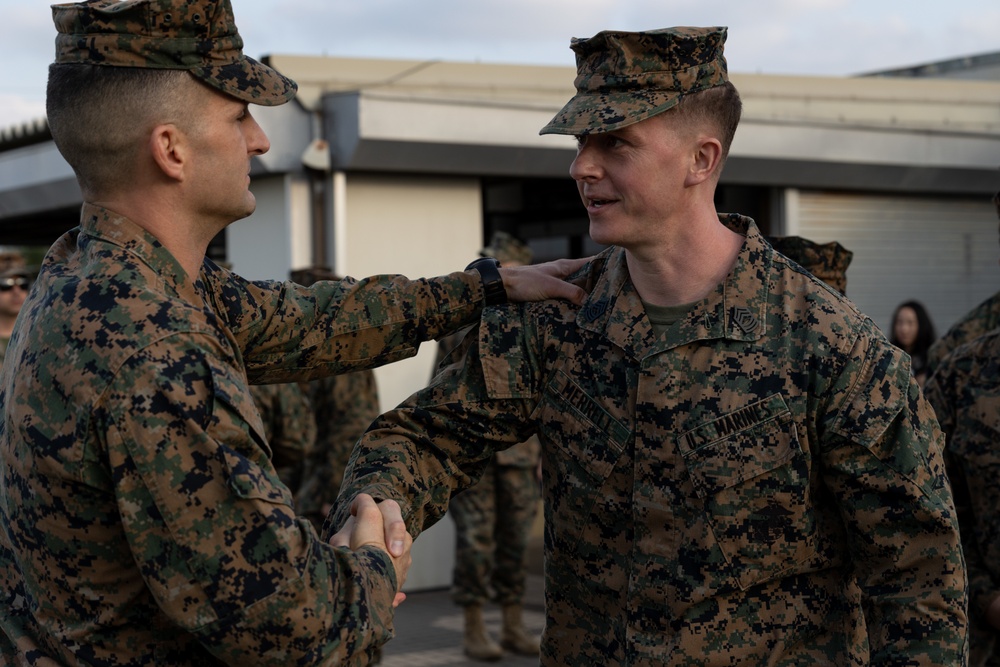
x,y
732,492
289,429
142,519
343,407
982,319
493,519
965,393
826,261
761,483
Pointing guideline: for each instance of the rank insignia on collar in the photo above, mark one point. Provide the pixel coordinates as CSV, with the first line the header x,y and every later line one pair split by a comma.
x,y
744,319
594,310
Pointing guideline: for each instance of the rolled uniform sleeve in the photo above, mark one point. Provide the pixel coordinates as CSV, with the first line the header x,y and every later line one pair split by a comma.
x,y
883,462
212,528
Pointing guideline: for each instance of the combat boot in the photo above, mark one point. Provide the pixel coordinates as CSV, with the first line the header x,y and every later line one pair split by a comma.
x,y
515,637
478,643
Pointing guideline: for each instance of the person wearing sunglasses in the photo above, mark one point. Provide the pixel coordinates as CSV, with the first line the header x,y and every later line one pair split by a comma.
x,y
14,285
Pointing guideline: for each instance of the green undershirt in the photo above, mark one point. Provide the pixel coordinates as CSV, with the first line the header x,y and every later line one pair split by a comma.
x,y
664,317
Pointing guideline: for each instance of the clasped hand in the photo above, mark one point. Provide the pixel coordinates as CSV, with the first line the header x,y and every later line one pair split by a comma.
x,y
380,525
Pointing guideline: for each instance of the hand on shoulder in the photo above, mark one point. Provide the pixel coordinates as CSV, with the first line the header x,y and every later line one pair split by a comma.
x,y
544,281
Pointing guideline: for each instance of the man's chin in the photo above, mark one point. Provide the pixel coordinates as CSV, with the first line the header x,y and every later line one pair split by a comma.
x,y
247,210
599,234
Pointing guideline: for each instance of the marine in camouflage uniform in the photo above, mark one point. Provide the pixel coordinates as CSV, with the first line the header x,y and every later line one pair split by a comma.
x,y
982,319
493,520
289,429
15,281
965,393
758,482
141,510
343,407
141,518
826,261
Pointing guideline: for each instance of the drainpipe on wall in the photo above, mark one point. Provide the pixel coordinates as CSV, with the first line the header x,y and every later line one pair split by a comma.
x,y
316,160
338,186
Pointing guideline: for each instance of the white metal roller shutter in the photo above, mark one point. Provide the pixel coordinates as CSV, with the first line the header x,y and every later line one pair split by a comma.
x,y
941,252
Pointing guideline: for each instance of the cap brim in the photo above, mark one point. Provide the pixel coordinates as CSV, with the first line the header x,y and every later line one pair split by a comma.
x,y
589,113
20,272
250,81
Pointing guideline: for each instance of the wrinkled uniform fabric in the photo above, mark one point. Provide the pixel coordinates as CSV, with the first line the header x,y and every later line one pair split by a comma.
x,y
141,520
492,523
289,428
493,519
343,407
763,484
979,321
965,393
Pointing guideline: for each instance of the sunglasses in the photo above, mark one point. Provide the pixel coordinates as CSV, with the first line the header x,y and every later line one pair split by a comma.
x,y
7,284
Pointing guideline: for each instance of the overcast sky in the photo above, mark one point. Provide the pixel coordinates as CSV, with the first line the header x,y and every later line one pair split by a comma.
x,y
817,37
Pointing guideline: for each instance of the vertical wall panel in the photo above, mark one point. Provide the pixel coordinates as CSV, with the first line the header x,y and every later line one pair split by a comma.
x,y
942,252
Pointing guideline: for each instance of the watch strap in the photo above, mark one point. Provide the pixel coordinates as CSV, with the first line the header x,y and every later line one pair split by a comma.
x,y
494,293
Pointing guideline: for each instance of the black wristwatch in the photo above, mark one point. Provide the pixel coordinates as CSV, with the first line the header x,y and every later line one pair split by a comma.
x,y
493,292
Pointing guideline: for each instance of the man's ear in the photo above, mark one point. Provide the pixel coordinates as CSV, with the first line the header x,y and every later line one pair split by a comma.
x,y
707,157
168,150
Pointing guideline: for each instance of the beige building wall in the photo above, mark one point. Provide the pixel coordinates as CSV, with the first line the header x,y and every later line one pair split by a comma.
x,y
416,226
266,245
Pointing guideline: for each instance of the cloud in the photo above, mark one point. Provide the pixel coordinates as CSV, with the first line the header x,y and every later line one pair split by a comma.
x,y
17,109
824,37
809,37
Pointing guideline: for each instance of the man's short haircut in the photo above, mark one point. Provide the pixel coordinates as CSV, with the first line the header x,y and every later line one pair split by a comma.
x,y
720,106
99,117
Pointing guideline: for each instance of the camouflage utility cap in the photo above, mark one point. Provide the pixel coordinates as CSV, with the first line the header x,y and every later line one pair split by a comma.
x,y
199,36
507,250
11,261
625,77
18,272
827,261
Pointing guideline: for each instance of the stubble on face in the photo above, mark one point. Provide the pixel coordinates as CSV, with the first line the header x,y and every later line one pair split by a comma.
x,y
632,180
221,138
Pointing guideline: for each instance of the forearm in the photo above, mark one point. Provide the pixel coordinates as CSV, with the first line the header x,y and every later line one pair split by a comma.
x,y
421,456
271,592
420,473
336,327
338,611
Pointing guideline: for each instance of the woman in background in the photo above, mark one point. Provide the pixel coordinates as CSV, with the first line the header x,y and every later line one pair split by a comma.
x,y
913,332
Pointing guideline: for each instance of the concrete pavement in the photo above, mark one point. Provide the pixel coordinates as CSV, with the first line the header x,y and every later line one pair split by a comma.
x,y
429,630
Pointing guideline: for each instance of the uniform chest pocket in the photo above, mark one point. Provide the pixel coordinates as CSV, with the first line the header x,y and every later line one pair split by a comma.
x,y
583,443
244,451
752,478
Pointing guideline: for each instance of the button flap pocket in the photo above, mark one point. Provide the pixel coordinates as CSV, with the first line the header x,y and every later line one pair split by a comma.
x,y
738,446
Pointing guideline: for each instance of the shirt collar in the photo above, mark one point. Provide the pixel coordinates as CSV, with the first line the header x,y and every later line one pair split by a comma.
x,y
734,310
100,223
